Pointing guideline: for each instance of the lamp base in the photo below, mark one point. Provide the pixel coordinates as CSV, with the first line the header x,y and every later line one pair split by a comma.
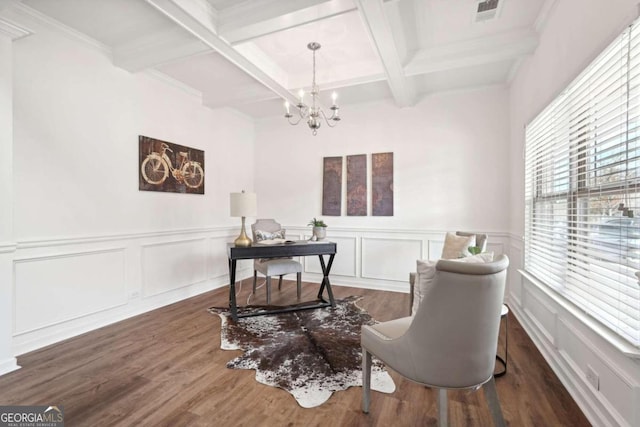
x,y
243,240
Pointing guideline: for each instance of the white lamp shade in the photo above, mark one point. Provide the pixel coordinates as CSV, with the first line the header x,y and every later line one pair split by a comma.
x,y
244,204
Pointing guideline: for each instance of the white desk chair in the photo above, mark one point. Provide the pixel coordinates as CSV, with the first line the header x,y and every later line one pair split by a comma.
x,y
273,266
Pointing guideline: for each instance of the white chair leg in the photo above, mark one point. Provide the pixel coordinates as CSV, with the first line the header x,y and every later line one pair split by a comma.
x,y
366,380
491,395
268,285
299,284
443,419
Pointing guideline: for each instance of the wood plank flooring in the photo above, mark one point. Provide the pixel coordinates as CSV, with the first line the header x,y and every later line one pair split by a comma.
x,y
165,368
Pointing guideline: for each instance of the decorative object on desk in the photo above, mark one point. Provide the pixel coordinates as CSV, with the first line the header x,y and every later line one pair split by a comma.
x,y
266,235
319,229
313,114
309,353
243,205
382,184
332,186
157,159
357,185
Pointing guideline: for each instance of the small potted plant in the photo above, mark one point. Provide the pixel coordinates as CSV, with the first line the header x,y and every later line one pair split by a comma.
x,y
319,229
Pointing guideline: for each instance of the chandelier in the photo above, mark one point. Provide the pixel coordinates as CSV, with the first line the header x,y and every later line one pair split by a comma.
x,y
313,113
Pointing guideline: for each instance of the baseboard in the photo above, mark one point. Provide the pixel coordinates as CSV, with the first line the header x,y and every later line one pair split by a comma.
x,y
8,365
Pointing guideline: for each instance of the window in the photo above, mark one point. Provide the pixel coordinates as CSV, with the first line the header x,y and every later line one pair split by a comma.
x,y
582,189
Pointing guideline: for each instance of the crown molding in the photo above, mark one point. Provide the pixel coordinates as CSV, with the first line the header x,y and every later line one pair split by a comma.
x,y
13,30
23,11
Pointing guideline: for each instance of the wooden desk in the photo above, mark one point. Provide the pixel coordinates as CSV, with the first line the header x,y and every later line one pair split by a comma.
x,y
300,248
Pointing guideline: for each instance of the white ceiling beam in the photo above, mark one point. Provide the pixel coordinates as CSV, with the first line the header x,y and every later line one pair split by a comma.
x,y
157,48
236,28
486,50
379,29
177,10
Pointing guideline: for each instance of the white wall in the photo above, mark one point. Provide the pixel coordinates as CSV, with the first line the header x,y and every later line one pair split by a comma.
x,y
92,248
450,162
575,33
7,246
450,168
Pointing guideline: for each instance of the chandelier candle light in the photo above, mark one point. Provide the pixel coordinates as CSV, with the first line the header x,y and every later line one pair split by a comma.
x,y
311,114
243,205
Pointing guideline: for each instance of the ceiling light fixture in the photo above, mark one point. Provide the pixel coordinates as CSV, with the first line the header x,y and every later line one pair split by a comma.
x,y
311,114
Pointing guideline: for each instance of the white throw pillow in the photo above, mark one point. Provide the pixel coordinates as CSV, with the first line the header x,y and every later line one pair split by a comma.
x,y
426,273
478,259
457,246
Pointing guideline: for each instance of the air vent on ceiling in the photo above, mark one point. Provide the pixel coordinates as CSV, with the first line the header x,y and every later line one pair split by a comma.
x,y
487,10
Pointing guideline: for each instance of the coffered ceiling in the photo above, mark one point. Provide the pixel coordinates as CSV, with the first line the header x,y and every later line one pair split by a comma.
x,y
252,54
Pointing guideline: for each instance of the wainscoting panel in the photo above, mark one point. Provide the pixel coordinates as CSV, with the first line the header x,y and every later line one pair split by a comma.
x,y
435,250
580,354
171,265
538,309
344,263
389,259
572,343
57,288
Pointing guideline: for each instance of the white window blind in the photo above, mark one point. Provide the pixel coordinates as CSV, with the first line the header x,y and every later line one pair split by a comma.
x,y
582,195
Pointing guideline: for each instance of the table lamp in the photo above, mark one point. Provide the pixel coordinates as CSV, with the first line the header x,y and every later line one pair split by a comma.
x,y
243,205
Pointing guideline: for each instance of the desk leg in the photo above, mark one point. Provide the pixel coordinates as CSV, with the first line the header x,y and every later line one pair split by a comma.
x,y
232,289
325,280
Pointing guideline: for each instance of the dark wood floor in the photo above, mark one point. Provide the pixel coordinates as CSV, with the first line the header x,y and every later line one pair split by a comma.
x,y
166,368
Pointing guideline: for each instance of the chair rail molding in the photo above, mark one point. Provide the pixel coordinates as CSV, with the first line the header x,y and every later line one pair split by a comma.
x,y
8,247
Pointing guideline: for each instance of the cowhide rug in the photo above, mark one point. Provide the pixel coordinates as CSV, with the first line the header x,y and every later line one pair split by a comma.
x,y
309,353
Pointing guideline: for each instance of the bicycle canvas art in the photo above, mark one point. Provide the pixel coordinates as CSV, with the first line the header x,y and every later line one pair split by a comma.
x,y
168,167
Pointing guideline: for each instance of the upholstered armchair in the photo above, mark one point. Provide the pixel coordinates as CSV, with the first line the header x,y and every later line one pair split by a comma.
x,y
264,228
451,340
480,242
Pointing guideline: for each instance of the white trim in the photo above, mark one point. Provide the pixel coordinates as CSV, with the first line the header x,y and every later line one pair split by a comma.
x,y
593,348
8,365
593,412
621,345
62,28
59,241
8,247
13,30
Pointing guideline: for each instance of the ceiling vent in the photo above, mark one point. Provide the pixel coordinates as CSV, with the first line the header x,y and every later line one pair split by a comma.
x,y
487,10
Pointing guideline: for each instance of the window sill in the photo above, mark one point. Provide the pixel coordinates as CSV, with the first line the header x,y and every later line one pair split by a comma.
x,y
620,344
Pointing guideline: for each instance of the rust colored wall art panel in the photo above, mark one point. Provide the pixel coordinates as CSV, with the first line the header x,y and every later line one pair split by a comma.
x,y
168,167
357,185
332,186
382,184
